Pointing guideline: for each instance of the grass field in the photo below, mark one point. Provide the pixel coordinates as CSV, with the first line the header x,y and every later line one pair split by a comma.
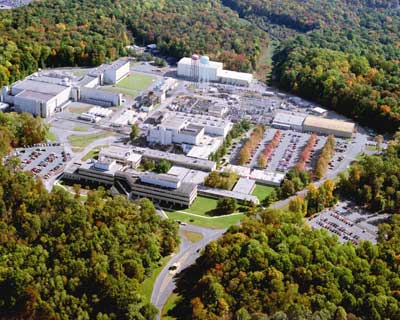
x,y
169,305
136,82
215,223
261,191
79,142
192,236
146,288
93,153
202,206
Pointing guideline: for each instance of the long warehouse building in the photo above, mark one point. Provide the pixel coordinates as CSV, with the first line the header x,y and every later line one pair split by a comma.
x,y
337,128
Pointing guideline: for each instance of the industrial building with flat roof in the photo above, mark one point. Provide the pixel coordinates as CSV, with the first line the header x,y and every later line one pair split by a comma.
x,y
202,69
44,93
283,120
337,128
199,135
37,95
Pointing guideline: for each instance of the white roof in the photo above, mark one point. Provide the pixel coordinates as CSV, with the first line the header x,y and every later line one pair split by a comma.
x,y
290,119
267,176
319,110
240,170
39,86
188,175
244,185
234,75
211,64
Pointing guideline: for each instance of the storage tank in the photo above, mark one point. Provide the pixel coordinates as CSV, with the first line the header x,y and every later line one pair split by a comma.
x,y
204,60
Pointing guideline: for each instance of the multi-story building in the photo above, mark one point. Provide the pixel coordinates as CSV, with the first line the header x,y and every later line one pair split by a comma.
x,y
165,189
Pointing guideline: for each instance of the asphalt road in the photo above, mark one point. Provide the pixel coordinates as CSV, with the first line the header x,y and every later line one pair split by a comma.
x,y
187,255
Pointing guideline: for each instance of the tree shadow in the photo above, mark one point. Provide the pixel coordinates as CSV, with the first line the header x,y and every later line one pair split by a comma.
x,y
186,288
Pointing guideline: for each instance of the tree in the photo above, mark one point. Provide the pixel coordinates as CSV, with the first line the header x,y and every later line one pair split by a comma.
x,y
135,132
226,205
163,166
298,205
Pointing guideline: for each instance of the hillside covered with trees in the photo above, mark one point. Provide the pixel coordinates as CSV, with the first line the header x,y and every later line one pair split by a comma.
x,y
61,258
343,54
275,267
87,33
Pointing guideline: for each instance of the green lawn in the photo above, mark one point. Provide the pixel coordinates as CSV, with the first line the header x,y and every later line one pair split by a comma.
x,y
50,136
146,287
136,82
261,191
169,305
192,236
202,205
93,153
215,223
81,141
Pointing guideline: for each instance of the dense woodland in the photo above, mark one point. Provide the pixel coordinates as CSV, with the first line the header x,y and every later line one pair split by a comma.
x,y
343,54
61,258
275,267
375,181
88,33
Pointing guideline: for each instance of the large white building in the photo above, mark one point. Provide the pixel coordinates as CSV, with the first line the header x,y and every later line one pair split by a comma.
x,y
283,120
186,128
43,93
37,95
116,71
202,69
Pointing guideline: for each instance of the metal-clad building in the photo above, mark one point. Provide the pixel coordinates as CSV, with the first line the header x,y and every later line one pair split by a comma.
x,y
337,128
283,120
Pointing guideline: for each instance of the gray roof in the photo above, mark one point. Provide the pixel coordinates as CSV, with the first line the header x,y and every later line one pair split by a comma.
x,y
290,119
32,95
244,186
38,86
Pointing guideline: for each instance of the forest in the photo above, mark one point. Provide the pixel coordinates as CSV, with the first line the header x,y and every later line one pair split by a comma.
x,y
375,180
275,267
342,54
64,258
88,33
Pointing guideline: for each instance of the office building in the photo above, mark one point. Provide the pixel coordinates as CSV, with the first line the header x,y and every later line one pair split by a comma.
x,y
164,189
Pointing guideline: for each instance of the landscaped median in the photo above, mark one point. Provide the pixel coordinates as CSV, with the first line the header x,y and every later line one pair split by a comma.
x,y
79,142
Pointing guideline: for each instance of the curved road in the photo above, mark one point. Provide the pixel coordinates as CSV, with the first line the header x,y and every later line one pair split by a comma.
x,y
187,255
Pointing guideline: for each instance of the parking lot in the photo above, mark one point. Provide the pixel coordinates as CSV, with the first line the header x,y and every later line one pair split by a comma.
x,y
349,222
43,160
